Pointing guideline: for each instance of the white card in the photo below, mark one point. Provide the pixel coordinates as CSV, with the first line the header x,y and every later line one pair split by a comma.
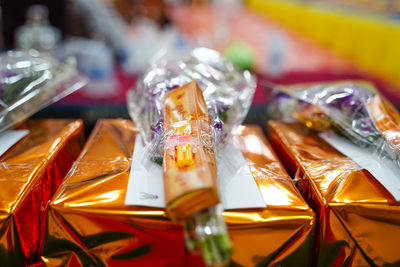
x,y
9,138
384,170
237,187
145,185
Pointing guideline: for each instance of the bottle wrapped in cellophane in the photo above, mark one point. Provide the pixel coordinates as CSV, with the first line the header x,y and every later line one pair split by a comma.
x,y
185,108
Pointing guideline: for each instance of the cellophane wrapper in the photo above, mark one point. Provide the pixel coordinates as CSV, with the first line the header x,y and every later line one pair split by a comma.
x,y
206,119
358,218
31,172
354,109
90,225
30,81
228,93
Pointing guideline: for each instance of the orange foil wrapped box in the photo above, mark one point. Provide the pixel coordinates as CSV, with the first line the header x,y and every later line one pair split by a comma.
x,y
358,215
31,171
89,223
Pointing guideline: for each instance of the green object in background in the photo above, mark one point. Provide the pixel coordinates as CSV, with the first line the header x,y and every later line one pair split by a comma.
x,y
240,54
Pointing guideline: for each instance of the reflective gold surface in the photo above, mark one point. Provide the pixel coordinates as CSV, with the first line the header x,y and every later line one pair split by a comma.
x,y
30,172
272,180
359,220
89,224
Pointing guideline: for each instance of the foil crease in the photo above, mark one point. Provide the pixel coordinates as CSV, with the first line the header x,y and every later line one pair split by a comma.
x,y
31,172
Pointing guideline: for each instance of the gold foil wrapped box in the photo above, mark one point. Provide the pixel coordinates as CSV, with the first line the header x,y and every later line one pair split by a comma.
x,y
90,225
359,219
30,173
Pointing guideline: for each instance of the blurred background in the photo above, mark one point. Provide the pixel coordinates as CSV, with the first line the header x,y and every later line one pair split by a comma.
x,y
280,41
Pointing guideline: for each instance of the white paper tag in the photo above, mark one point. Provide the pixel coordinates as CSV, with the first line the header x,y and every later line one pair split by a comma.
x,y
238,190
9,138
384,170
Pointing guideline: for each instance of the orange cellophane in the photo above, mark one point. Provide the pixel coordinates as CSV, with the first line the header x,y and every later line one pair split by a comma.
x,y
386,119
90,225
31,172
189,166
359,220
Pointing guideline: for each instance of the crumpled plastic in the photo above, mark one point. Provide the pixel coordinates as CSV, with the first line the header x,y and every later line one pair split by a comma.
x,y
227,92
30,81
354,109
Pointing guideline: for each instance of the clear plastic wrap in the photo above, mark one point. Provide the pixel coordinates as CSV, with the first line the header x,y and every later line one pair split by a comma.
x,y
227,92
185,107
352,108
31,81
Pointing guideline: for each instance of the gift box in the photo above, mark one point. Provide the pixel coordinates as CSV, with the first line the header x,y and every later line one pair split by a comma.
x,y
30,172
89,223
358,216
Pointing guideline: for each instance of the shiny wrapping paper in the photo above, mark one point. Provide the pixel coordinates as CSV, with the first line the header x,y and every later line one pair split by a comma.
x,y
358,219
89,224
30,173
